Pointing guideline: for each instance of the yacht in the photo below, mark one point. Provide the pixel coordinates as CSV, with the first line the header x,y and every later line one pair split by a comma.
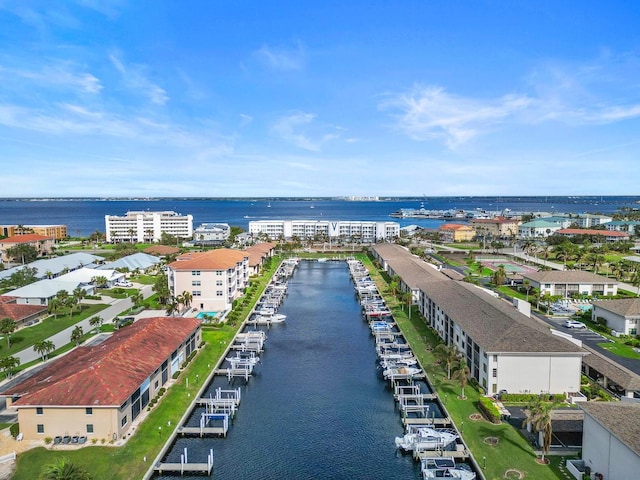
x,y
421,437
445,468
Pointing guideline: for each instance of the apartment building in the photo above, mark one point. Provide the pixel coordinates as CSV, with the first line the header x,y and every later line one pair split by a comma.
x,y
211,234
214,278
571,283
57,232
147,227
497,227
456,232
359,231
43,244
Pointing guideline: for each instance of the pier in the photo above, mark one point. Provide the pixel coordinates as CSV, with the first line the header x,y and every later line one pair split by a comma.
x,y
184,467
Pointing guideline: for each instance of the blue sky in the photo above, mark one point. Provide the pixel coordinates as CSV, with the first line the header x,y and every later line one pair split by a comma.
x,y
319,98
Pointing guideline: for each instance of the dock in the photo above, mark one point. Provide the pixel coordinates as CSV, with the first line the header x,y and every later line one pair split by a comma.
x,y
435,422
184,467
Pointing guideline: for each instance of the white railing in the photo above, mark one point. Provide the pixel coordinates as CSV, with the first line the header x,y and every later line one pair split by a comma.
x,y
8,457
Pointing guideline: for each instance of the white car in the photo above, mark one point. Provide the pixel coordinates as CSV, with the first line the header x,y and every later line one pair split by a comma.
x,y
574,324
124,283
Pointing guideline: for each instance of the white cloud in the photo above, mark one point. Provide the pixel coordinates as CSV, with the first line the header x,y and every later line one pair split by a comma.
x,y
135,78
299,129
432,113
58,74
282,58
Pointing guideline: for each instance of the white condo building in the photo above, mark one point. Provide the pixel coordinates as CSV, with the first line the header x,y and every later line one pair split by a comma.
x,y
362,231
144,226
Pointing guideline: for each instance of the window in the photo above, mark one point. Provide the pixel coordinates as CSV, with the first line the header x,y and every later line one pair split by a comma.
x,y
195,273
218,272
38,410
219,293
196,293
155,385
40,428
195,283
124,421
88,411
219,283
89,427
494,374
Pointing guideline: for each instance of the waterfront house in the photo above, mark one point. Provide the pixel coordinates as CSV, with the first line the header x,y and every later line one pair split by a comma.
x,y
345,230
621,315
571,283
214,278
98,391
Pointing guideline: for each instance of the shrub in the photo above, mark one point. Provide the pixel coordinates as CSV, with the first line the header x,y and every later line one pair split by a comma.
x,y
48,440
176,375
489,410
14,429
94,440
102,440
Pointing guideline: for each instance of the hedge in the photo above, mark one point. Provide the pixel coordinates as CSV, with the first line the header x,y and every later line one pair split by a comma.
x,y
489,409
529,397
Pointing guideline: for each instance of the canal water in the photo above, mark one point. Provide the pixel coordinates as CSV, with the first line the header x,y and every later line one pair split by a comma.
x,y
316,406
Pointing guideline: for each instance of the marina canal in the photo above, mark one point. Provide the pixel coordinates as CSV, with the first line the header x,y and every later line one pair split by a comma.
x,y
316,405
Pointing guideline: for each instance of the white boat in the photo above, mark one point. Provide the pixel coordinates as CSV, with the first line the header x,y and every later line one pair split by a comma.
x,y
425,438
250,357
262,319
401,372
445,468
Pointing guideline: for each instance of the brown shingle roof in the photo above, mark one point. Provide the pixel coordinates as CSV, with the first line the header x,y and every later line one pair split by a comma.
x,y
622,419
623,306
106,374
219,259
19,311
617,373
566,276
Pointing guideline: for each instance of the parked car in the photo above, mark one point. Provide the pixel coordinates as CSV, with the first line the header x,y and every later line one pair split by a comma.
x,y
123,283
574,324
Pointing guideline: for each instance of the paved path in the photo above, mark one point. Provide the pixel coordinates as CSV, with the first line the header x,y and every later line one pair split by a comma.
x,y
64,337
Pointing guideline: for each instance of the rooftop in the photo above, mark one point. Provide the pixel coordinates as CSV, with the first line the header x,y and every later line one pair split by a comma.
x,y
26,238
623,306
567,276
219,259
622,419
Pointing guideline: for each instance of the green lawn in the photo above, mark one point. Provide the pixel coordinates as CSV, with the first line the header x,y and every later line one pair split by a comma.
x,y
620,349
26,337
117,292
126,462
513,451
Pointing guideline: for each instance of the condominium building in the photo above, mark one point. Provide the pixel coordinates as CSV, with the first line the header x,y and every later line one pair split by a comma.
x,y
571,283
456,232
498,227
57,232
497,341
361,231
214,278
43,245
141,226
211,234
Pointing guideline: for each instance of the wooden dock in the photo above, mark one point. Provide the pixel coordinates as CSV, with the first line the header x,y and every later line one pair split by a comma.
x,y
204,431
182,468
460,453
435,422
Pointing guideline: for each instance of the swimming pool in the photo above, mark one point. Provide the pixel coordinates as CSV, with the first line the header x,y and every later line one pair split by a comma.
x,y
208,314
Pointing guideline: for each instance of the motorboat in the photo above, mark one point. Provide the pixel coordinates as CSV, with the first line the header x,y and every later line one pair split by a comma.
x,y
420,437
445,468
251,357
401,371
268,319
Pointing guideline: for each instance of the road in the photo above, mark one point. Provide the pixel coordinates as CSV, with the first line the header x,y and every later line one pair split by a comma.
x,y
64,337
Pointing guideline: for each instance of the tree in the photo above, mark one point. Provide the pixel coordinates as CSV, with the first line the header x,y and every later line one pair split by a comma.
x,y
23,253
461,373
187,298
76,335
78,295
23,277
54,307
499,276
62,296
7,327
161,288
8,365
100,281
526,283
408,297
172,307
96,322
542,424
63,469
447,354
43,348
136,298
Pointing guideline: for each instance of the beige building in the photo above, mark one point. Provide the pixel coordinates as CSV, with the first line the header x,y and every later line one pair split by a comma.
x,y
455,232
621,315
214,278
43,245
497,228
98,391
57,232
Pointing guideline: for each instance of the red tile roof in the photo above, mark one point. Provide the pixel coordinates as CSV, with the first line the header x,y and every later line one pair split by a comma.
x,y
452,226
7,299
28,238
18,311
219,259
106,374
493,220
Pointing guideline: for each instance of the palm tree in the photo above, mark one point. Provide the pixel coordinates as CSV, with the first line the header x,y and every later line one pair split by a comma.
x,y
526,283
78,295
76,335
131,233
136,298
7,327
408,297
54,306
43,348
62,297
447,354
499,276
532,411
172,307
63,469
542,425
96,322
8,365
187,298
461,373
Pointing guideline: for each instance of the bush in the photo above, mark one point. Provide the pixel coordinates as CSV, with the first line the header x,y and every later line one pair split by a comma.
x,y
489,410
176,375
14,430
48,440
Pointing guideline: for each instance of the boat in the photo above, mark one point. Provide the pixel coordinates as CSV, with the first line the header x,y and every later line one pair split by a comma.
x,y
425,438
400,371
251,357
445,468
268,319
